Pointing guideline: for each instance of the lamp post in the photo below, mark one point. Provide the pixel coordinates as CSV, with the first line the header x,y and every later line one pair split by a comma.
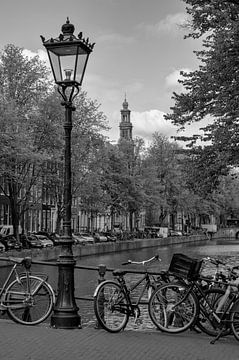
x,y
68,56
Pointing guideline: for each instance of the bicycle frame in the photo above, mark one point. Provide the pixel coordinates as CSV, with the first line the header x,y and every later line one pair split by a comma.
x,y
148,285
229,305
129,290
30,290
13,270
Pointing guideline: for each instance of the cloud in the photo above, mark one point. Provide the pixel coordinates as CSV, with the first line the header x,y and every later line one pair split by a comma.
x,y
110,92
116,39
147,122
41,53
171,80
172,23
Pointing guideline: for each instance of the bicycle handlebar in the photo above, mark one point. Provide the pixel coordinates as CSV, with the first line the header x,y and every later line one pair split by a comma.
x,y
156,257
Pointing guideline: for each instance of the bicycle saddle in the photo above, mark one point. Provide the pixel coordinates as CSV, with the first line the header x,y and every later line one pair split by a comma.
x,y
119,272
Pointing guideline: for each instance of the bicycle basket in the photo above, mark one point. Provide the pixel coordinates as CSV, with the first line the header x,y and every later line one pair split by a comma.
x,y
185,267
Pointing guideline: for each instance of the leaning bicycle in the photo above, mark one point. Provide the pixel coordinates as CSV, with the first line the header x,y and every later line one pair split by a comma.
x,y
28,299
113,300
177,306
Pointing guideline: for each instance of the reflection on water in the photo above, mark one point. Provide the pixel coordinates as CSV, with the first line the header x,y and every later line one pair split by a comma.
x,y
86,281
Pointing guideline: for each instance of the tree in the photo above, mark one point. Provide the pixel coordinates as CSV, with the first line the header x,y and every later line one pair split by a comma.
x,y
87,150
211,90
123,180
24,85
164,182
226,198
134,194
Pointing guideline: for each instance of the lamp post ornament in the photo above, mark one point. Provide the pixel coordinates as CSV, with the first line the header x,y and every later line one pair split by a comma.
x,y
68,56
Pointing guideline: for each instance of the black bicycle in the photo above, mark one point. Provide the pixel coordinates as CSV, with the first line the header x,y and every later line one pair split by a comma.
x,y
113,300
178,306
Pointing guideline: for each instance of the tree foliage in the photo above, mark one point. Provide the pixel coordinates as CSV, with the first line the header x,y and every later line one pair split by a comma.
x,y
24,85
164,181
211,91
32,135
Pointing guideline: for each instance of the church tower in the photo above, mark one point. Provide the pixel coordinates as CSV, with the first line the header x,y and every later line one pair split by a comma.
x,y
125,124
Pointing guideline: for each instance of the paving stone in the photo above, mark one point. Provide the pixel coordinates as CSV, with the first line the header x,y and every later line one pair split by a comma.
x,y
19,342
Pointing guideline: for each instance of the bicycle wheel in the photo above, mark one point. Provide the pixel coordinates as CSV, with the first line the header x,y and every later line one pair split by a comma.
x,y
111,306
235,319
171,310
29,307
206,321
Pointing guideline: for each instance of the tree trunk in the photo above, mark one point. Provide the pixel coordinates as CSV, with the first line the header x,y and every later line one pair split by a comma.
x,y
131,220
15,217
14,208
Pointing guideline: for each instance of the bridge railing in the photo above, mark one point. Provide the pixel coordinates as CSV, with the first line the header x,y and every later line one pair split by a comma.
x,y
101,269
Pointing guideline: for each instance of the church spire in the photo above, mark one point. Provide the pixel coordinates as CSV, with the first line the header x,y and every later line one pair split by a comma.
x,y
125,124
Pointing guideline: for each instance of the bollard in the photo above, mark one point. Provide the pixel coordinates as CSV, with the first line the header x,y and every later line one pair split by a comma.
x,y
102,271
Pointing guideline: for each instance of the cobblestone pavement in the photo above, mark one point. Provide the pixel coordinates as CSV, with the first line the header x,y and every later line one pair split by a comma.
x,y
18,342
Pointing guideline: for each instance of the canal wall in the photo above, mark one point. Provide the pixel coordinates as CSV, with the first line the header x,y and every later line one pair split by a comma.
x,y
230,233
107,247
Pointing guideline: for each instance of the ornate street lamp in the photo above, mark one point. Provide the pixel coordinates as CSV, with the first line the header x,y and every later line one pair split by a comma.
x,y
68,57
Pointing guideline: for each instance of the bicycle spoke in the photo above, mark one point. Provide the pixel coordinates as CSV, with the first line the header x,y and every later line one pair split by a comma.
x,y
110,307
172,311
29,308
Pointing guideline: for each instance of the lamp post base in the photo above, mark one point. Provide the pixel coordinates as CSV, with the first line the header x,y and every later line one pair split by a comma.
x,y
66,321
65,314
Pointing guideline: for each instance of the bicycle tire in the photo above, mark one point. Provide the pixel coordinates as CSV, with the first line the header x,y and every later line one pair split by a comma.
x,y
169,317
111,306
204,323
33,308
234,319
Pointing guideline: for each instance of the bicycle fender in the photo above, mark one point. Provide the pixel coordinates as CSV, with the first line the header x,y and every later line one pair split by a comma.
x,y
100,284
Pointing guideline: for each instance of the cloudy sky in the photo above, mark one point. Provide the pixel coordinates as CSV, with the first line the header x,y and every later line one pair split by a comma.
x,y
139,51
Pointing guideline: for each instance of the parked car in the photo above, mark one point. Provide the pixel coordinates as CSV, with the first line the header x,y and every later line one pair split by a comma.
x,y
2,247
83,238
100,237
51,236
79,239
30,241
8,230
175,233
44,241
110,236
11,243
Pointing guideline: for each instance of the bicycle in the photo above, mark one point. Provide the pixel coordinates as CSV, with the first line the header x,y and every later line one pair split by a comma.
x,y
214,288
28,299
175,307
113,301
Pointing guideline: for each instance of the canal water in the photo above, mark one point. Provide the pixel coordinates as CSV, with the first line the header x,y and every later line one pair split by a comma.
x,y
86,280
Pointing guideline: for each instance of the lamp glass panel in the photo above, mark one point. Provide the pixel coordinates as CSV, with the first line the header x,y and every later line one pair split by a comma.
x,y
68,63
68,59
55,64
81,61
